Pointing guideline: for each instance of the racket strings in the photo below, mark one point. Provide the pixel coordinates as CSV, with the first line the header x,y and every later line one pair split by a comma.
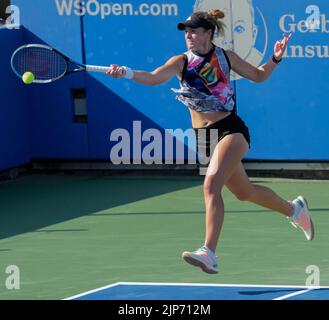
x,y
44,63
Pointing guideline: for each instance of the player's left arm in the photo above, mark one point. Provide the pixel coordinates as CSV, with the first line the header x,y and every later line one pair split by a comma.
x,y
261,73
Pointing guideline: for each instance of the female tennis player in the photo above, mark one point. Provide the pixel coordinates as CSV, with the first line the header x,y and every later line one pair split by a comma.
x,y
205,89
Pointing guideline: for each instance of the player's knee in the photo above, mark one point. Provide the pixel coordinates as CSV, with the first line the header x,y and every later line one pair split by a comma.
x,y
212,187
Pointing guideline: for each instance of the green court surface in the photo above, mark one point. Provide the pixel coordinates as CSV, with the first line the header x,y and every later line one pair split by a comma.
x,y
68,234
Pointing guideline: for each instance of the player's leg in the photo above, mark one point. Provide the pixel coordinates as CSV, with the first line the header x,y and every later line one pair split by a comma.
x,y
297,211
224,161
240,185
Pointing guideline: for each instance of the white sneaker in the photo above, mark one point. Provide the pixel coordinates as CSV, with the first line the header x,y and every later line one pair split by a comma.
x,y
203,258
301,217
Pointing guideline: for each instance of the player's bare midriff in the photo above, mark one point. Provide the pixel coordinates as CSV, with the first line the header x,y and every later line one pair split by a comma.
x,y
201,120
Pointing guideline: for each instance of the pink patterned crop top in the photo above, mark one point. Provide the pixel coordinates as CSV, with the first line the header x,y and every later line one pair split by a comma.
x,y
205,85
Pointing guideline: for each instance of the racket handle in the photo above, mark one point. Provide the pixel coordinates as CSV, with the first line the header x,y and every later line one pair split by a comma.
x,y
96,68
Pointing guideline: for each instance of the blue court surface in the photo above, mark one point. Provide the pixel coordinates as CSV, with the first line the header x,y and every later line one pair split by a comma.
x,y
190,291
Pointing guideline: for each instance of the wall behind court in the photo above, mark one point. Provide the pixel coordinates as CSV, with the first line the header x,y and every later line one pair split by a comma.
x,y
287,115
15,147
54,132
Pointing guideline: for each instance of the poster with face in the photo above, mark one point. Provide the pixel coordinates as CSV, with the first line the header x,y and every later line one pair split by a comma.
x,y
242,33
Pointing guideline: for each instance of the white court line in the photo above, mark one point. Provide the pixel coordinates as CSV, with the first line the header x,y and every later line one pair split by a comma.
x,y
219,285
293,294
92,291
197,285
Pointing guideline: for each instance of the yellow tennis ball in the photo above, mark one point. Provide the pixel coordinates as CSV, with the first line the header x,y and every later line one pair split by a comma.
x,y
28,77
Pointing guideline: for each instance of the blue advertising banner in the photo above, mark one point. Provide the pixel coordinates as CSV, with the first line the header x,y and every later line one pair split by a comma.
x,y
287,114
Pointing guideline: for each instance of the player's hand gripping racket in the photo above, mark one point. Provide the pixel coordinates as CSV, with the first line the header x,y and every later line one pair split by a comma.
x,y
46,63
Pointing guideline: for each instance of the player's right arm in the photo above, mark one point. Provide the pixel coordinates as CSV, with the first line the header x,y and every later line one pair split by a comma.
x,y
160,75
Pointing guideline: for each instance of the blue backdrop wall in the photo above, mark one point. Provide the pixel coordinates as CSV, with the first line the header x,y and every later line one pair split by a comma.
x,y
15,145
287,114
54,134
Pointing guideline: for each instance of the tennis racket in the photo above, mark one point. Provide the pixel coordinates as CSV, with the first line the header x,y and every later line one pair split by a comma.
x,y
46,63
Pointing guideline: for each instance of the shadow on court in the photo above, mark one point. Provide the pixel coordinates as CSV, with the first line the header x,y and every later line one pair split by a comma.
x,y
37,201
34,202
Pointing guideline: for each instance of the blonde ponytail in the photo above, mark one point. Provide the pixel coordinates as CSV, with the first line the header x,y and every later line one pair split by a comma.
x,y
215,16
216,13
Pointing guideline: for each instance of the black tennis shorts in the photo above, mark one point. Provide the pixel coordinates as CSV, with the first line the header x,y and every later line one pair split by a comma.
x,y
208,137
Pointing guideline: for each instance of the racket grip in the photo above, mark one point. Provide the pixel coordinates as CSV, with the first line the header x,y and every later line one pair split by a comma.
x,y
96,68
